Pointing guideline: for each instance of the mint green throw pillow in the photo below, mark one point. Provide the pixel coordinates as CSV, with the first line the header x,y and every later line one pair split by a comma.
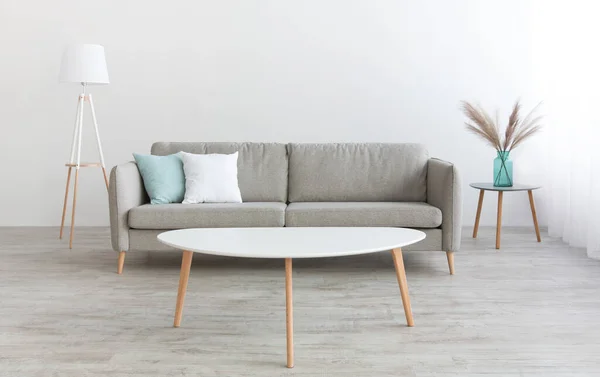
x,y
163,177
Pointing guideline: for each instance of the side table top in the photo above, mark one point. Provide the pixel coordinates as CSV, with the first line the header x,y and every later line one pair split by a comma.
x,y
516,187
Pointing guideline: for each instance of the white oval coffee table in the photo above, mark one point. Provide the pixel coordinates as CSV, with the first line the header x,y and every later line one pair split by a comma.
x,y
290,243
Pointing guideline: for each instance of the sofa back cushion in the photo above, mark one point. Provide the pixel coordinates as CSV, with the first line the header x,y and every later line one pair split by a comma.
x,y
357,172
262,167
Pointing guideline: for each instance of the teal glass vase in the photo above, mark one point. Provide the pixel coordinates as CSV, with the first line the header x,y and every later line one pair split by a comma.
x,y
503,170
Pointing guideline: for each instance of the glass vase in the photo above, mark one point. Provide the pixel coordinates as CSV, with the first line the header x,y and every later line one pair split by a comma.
x,y
503,170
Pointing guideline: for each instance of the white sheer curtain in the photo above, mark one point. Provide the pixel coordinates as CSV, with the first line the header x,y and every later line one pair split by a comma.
x,y
566,62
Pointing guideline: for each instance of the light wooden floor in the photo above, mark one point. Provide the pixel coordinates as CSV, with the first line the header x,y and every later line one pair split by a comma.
x,y
528,310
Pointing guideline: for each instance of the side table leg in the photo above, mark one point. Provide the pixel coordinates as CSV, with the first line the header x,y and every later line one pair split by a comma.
x,y
499,219
184,275
534,214
401,275
289,315
479,205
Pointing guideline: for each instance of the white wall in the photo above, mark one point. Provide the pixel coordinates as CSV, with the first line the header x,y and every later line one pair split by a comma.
x,y
301,71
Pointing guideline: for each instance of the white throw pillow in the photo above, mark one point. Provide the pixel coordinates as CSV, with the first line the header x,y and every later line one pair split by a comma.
x,y
211,178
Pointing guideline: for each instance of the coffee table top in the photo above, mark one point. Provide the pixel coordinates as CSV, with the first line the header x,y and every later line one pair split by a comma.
x,y
290,242
516,187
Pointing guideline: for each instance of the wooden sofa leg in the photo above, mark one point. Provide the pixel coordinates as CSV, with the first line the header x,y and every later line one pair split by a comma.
x,y
450,255
121,262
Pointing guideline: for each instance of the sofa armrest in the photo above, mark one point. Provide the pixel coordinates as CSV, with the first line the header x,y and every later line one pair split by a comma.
x,y
125,191
444,192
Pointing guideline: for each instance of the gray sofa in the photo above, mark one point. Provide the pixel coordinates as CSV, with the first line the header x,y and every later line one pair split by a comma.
x,y
350,184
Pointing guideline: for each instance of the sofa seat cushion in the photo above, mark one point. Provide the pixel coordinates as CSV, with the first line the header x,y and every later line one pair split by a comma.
x,y
395,214
207,215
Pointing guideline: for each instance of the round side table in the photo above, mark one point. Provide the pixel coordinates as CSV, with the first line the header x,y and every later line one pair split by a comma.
x,y
483,187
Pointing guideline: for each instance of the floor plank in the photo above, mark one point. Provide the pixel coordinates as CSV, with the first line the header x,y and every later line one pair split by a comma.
x,y
529,309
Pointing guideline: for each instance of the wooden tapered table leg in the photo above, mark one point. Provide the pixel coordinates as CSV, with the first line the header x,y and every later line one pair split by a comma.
x,y
499,220
184,275
64,212
289,314
534,214
479,205
73,209
401,275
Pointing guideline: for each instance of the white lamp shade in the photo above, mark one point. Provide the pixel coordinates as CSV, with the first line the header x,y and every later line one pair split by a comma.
x,y
84,63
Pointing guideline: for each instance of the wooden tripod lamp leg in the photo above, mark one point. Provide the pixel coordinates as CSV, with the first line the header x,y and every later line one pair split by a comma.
x,y
71,160
105,177
71,234
64,211
79,135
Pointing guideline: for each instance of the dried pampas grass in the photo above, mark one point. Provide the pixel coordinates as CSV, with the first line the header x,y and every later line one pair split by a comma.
x,y
481,124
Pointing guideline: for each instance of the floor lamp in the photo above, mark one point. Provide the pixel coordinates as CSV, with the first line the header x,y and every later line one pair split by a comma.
x,y
84,64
